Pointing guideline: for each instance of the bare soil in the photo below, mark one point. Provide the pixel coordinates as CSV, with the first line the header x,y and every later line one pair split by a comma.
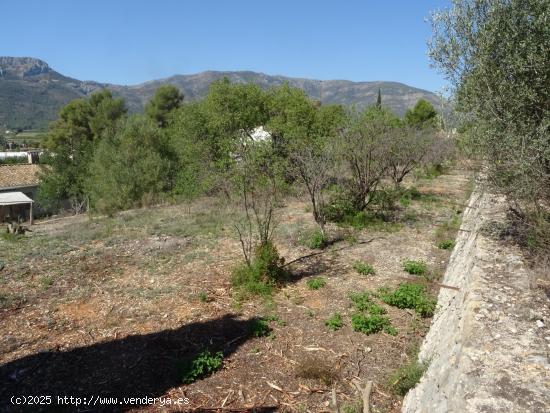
x,y
110,306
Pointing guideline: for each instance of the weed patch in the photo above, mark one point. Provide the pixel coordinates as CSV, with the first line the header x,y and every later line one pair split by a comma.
x,y
201,366
372,323
363,268
316,283
334,322
406,377
363,302
259,327
412,296
314,240
446,245
415,267
370,317
203,297
46,281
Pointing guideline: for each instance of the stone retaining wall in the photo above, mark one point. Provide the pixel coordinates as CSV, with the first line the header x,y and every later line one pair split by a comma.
x,y
489,343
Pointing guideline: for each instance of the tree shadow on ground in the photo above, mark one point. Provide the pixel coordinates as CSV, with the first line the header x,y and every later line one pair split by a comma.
x,y
134,366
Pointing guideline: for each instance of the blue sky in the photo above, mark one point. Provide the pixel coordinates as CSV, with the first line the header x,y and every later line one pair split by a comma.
x,y
129,42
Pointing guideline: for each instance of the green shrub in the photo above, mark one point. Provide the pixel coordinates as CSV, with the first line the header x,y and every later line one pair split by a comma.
x,y
363,268
259,327
316,283
406,377
201,366
446,245
315,240
263,273
248,281
339,206
372,323
408,195
412,296
384,200
415,267
335,322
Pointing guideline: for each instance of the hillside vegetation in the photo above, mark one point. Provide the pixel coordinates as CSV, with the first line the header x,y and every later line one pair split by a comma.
x,y
31,93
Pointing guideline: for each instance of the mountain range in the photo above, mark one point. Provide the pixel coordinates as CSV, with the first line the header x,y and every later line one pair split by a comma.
x,y
31,92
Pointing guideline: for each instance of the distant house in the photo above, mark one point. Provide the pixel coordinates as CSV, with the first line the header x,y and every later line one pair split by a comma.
x,y
20,177
18,183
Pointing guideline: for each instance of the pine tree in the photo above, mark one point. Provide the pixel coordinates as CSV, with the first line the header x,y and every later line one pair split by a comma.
x,y
379,100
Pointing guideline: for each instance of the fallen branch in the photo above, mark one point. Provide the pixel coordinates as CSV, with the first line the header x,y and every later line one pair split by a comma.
x,y
365,393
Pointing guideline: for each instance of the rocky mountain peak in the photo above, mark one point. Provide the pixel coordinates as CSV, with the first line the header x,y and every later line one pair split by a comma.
x,y
22,67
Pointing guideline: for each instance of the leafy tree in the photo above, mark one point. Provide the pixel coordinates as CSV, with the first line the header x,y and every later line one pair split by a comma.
x,y
167,98
423,114
363,148
129,167
233,112
196,151
72,139
496,55
292,117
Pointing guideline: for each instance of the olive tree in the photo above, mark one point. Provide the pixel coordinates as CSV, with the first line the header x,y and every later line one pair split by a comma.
x,y
496,54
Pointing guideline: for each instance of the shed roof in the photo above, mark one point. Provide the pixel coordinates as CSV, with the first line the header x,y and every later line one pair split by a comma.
x,y
13,198
18,176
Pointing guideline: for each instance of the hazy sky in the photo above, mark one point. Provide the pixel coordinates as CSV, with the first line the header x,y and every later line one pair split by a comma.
x,y
129,42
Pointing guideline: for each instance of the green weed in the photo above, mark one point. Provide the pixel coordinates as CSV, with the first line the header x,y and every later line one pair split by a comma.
x,y
372,323
412,296
415,267
335,322
314,240
201,366
363,302
316,283
363,268
446,245
259,327
203,297
406,377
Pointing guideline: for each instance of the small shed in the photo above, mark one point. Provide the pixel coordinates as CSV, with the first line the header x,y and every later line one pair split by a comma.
x,y
15,205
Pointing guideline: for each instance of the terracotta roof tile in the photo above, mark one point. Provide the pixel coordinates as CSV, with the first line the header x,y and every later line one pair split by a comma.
x,y
15,176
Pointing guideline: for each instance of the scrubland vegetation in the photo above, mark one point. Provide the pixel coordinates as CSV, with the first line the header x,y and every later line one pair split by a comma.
x,y
281,254
273,265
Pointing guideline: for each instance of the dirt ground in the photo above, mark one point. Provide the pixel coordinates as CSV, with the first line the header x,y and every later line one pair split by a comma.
x,y
109,306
